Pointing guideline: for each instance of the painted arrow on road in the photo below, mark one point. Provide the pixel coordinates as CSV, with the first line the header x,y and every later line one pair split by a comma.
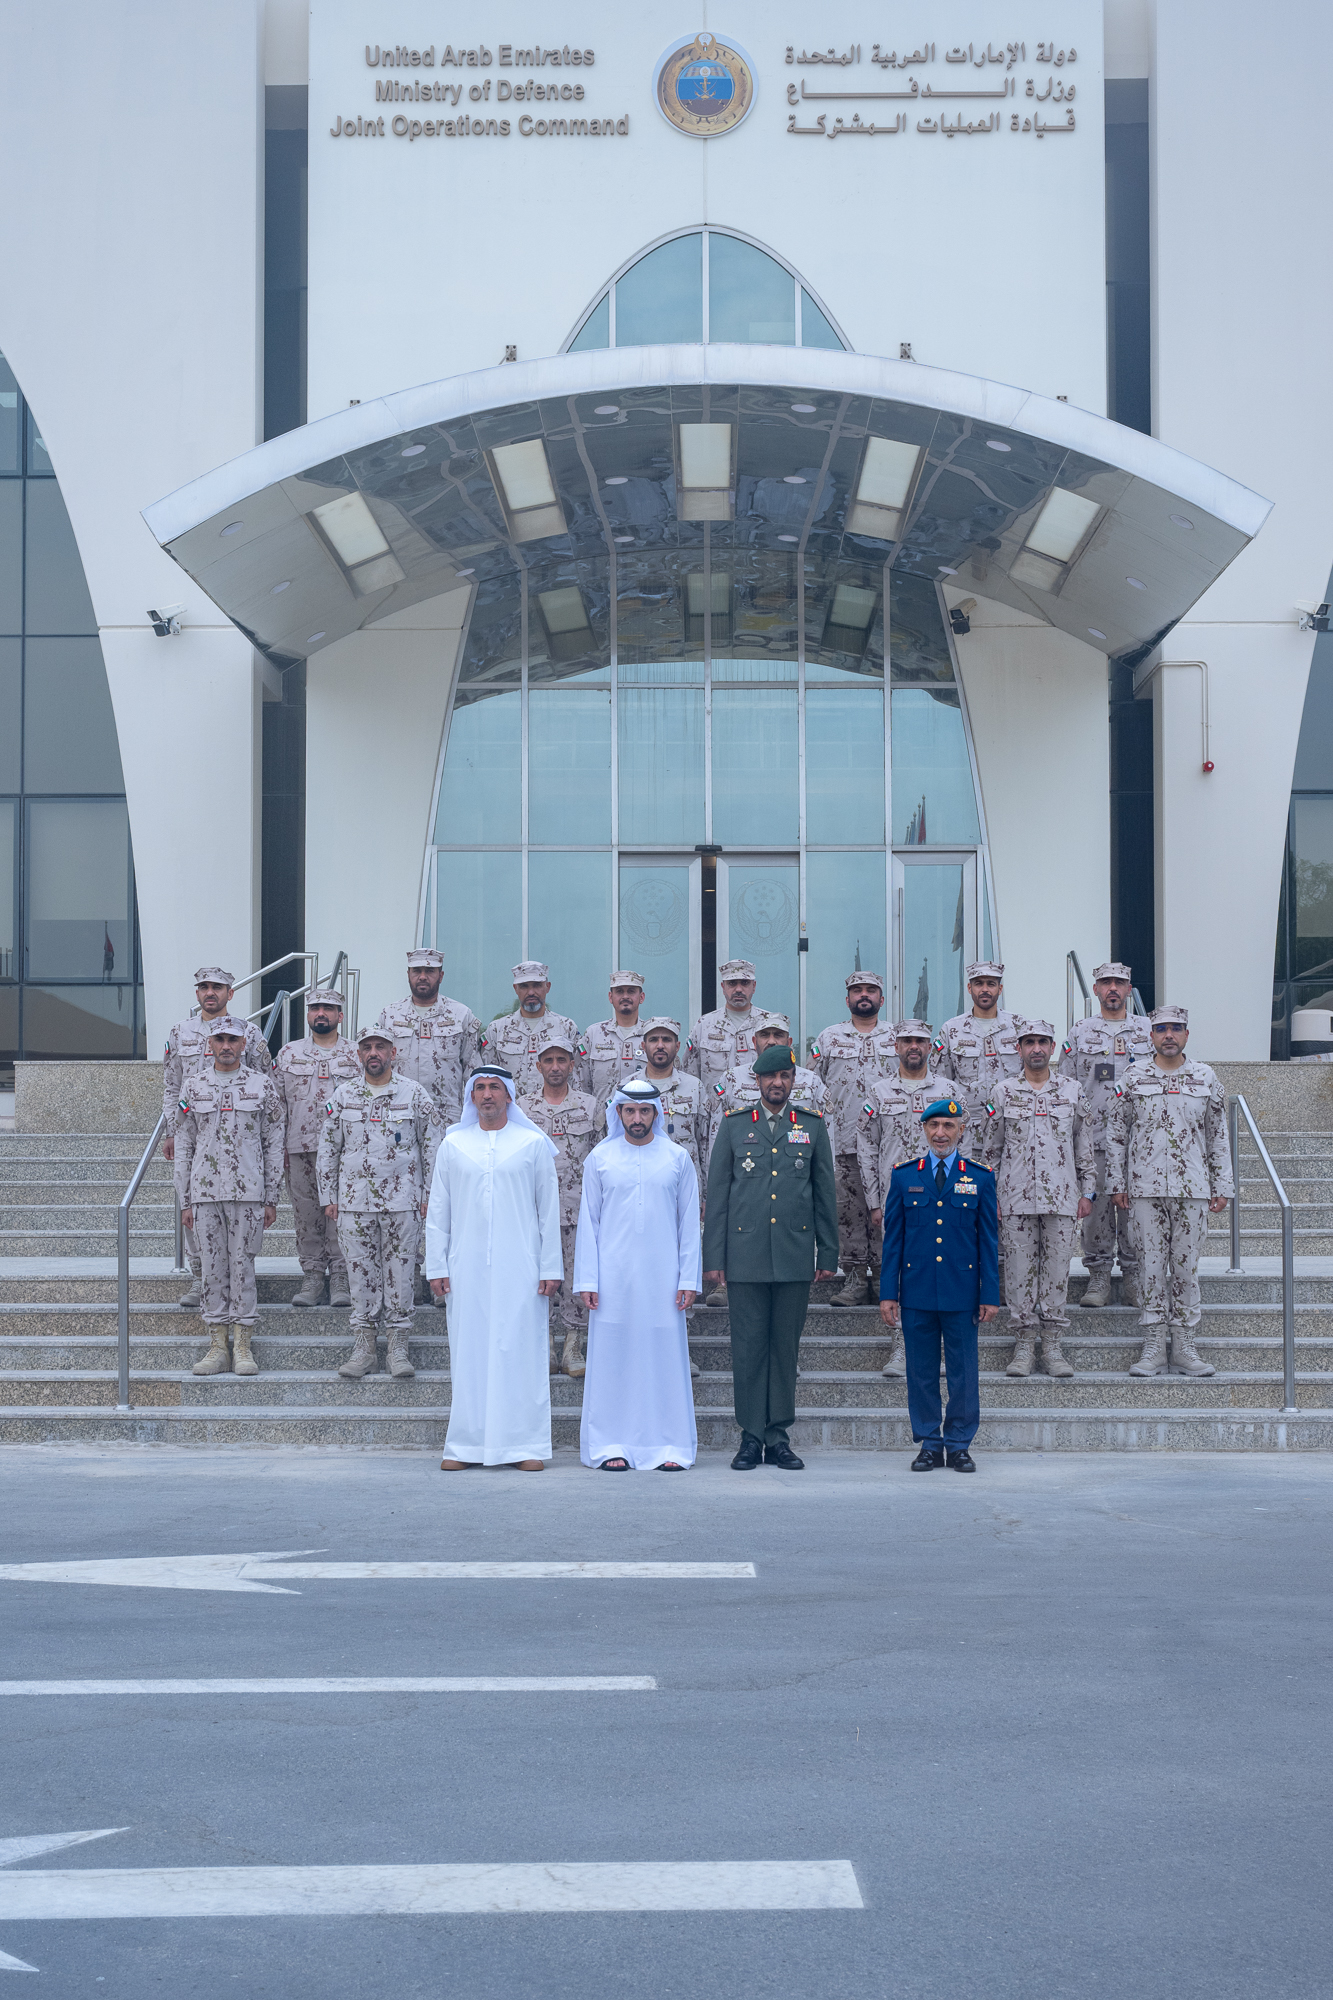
x,y
249,1572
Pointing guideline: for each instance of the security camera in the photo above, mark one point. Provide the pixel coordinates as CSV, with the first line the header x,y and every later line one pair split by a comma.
x,y
167,620
960,615
1311,617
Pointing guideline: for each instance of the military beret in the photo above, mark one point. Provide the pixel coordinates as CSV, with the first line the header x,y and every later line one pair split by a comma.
x,y
737,968
766,1021
1160,1016
433,959
530,968
912,1030
943,1107
324,996
229,1024
1111,970
213,975
1023,1026
985,968
557,1038
864,979
665,1023
770,1060
624,978
371,1032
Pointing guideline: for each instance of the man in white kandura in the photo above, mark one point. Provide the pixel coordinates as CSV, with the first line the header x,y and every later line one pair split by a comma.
x,y
637,1269
493,1248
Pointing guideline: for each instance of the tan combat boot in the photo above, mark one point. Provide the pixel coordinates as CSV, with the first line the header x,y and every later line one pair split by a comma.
x,y
896,1365
1024,1354
363,1358
1052,1360
1185,1356
244,1363
399,1365
193,1299
1099,1289
572,1362
1130,1295
340,1292
311,1292
217,1361
1152,1361
717,1297
854,1292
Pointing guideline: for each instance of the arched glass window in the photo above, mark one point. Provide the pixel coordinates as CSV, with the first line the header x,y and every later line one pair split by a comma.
x,y
706,284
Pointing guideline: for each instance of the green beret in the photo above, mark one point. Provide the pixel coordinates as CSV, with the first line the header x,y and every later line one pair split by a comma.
x,y
943,1107
779,1056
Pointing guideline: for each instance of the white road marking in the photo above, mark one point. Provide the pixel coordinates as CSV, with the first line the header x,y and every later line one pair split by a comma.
x,y
22,1848
437,1889
8,1964
379,1684
250,1572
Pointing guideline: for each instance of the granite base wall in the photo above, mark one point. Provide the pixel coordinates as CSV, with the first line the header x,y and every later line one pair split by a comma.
x,y
87,1096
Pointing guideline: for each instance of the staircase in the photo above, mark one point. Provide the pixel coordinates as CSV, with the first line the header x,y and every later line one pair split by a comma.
x,y
58,1201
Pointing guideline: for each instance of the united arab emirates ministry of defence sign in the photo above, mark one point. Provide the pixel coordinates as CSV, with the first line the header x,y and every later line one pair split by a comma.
x,y
704,86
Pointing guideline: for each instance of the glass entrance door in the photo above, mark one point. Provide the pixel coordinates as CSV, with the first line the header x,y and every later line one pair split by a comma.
x,y
659,925
935,915
759,918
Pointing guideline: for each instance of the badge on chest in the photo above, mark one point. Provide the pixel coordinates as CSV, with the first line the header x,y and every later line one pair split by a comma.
x,y
798,1136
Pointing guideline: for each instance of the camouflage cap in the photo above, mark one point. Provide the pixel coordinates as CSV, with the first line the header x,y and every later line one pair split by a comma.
x,y
780,1056
371,1033
737,968
1024,1026
324,996
228,1024
1111,970
864,979
623,978
434,960
530,968
768,1021
557,1038
907,1031
214,975
985,968
1160,1016
665,1023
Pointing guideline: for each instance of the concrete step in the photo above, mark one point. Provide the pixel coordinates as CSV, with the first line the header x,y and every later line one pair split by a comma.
x,y
144,1242
128,1146
97,1171
161,1288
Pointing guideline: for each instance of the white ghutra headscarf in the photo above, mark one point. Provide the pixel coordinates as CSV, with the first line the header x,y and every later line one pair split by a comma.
x,y
638,1091
517,1115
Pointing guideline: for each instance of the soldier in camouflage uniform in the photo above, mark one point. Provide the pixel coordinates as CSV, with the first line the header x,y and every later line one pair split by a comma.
x,y
611,1048
515,1041
1167,1155
975,1050
1039,1147
229,1143
437,1041
1097,1054
684,1108
724,1039
307,1074
376,1155
187,1048
847,1058
889,1131
574,1123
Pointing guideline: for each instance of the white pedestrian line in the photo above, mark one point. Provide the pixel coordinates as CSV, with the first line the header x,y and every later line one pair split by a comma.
x,y
250,1571
23,1848
379,1684
432,1889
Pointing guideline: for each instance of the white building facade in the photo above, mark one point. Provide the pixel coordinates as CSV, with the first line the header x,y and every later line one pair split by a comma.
x,y
646,490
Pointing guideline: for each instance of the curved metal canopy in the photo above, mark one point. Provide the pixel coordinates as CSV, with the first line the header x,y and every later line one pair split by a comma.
x,y
1095,529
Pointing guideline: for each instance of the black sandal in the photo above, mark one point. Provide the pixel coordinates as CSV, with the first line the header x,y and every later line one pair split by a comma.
x,y
671,1465
614,1465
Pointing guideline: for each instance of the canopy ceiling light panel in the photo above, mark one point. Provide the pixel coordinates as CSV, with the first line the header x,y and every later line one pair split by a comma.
x,y
1057,535
887,472
522,476
705,456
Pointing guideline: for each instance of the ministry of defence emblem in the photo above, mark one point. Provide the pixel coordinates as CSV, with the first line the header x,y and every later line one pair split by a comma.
x,y
704,86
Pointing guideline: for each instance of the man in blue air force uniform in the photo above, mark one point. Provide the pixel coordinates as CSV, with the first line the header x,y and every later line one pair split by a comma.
x,y
941,1270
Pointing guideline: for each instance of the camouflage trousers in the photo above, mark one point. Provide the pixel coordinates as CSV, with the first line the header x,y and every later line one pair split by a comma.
x,y
859,1232
1109,1229
229,1234
1037,1249
193,1254
316,1233
1170,1230
380,1248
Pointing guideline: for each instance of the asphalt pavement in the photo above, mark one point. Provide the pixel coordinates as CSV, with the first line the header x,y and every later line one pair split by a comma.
x,y
1066,1724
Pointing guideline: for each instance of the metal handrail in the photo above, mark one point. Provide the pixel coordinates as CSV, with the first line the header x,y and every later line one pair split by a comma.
x,y
1138,1007
123,1269
1073,970
1236,1108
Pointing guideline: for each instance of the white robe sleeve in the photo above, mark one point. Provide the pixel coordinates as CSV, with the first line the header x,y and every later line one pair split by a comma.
x,y
546,1188
438,1210
586,1271
687,1226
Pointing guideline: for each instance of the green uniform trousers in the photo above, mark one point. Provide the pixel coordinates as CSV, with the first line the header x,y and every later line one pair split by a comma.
x,y
766,1323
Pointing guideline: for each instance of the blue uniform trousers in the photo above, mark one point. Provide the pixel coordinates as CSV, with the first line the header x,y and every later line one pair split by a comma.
x,y
923,1335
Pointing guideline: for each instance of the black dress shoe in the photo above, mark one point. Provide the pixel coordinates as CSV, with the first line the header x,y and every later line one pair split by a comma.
x,y
749,1456
961,1460
927,1460
783,1455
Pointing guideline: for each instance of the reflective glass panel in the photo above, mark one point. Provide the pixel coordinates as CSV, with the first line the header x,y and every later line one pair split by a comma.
x,y
9,827
655,933
493,645
755,767
78,1021
480,928
844,920
569,768
11,555
10,439
935,941
750,297
39,458
481,792
659,630
69,726
763,905
569,926
934,801
754,615
11,708
596,328
569,620
661,753
57,599
662,296
815,329
9,1022
1312,872
844,765
844,620
78,890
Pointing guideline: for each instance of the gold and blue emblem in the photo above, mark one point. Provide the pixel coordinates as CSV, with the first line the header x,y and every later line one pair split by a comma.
x,y
704,86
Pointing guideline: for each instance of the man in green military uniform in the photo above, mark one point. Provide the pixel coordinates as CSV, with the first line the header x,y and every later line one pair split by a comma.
x,y
770,1229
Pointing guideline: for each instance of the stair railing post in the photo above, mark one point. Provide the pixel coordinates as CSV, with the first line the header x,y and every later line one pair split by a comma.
x,y
179,1235
1288,1312
123,1308
1233,1137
